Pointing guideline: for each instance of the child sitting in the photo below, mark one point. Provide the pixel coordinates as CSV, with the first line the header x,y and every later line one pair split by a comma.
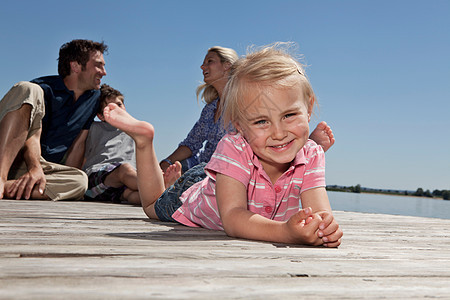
x,y
110,158
266,181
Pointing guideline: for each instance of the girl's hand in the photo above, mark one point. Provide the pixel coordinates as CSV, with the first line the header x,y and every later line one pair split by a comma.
x,y
329,230
303,227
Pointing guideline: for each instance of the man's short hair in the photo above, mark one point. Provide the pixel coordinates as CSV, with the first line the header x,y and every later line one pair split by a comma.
x,y
79,51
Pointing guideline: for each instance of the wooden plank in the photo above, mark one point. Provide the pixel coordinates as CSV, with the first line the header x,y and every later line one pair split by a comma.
x,y
51,250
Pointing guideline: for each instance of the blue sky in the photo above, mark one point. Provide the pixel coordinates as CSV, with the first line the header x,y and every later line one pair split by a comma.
x,y
380,69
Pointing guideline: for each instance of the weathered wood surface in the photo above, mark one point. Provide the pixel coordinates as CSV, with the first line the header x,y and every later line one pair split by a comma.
x,y
87,250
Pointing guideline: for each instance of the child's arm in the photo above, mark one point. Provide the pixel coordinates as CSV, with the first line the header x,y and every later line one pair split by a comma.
x,y
329,230
238,221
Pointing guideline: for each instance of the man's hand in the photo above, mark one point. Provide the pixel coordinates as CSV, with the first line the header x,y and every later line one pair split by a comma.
x,y
24,185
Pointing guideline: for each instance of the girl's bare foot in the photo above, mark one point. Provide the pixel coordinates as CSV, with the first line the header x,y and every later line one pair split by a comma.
x,y
323,135
172,173
140,131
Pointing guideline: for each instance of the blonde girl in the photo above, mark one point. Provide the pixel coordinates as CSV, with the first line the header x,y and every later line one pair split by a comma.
x,y
266,181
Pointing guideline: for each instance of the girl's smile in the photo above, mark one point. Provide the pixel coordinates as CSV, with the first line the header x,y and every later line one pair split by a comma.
x,y
282,147
275,124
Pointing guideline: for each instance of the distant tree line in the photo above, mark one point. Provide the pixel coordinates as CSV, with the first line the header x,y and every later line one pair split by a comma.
x,y
444,194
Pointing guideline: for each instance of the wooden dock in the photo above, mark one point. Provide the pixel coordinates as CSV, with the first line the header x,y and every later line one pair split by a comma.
x,y
88,250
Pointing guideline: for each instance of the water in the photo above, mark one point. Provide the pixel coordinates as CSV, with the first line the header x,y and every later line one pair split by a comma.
x,y
394,205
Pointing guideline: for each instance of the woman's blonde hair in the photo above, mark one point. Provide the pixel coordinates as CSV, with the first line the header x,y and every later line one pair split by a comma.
x,y
268,65
207,91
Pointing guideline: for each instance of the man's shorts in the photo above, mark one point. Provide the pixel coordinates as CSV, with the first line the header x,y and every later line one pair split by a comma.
x,y
21,93
63,182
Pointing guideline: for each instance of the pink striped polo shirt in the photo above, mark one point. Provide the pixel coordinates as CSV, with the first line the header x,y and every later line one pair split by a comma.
x,y
234,157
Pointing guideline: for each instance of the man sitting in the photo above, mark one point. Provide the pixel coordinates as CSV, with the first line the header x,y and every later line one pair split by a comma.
x,y
44,124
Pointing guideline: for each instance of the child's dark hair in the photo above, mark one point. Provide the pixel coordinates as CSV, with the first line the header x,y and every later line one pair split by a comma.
x,y
79,51
108,92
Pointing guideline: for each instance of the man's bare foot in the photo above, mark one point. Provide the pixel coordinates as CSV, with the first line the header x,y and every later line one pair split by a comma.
x,y
172,173
140,131
323,135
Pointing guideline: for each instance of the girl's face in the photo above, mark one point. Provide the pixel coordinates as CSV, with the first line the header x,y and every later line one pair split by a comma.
x,y
275,123
213,69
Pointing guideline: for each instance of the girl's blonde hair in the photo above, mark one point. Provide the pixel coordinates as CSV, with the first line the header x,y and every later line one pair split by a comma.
x,y
268,65
207,91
